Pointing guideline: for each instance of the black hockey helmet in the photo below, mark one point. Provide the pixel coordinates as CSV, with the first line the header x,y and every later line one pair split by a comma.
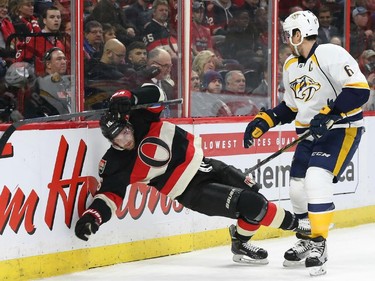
x,y
111,125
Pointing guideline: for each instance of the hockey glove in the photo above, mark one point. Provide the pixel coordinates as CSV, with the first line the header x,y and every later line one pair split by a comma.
x,y
149,72
86,226
262,122
121,102
323,122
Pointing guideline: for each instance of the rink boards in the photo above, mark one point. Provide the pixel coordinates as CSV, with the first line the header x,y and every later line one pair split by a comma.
x,y
48,175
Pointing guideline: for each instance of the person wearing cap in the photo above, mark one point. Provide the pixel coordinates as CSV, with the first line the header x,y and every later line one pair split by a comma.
x,y
361,33
145,149
208,103
324,94
367,65
201,36
212,82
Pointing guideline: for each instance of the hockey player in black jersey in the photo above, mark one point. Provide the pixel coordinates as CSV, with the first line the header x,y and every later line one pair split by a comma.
x,y
160,154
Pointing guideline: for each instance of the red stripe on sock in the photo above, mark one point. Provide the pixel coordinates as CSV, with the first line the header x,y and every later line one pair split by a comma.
x,y
247,226
270,215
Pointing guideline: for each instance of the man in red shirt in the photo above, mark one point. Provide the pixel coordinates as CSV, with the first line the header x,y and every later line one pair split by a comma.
x,y
35,47
200,35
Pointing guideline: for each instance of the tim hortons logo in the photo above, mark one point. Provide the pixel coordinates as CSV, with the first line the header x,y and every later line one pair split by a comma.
x,y
17,207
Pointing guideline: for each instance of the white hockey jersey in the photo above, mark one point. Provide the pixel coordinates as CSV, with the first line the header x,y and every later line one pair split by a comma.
x,y
328,71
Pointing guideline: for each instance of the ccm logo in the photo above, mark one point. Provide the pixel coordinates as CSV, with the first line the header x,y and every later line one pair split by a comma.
x,y
322,154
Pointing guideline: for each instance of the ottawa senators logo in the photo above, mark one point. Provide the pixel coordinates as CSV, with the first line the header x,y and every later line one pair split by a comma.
x,y
147,152
304,88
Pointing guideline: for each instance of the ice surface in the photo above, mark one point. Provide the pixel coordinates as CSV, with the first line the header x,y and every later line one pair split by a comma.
x,y
351,256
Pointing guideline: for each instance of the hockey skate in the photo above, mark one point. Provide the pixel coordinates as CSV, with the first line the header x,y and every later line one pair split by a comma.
x,y
245,252
318,256
296,255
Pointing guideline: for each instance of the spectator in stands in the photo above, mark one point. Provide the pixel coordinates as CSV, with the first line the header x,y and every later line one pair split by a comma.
x,y
157,33
139,13
137,55
110,65
367,65
109,32
22,15
361,33
207,102
235,96
212,82
108,11
160,58
6,26
55,87
200,35
136,58
93,42
219,13
326,30
35,48
111,72
204,61
241,39
195,82
235,83
55,61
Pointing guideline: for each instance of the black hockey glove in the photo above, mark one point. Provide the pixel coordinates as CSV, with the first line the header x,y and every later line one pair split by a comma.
x,y
323,121
86,226
149,72
262,122
121,102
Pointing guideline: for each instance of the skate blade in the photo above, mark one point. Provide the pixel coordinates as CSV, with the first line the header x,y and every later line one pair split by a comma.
x,y
293,264
246,260
317,270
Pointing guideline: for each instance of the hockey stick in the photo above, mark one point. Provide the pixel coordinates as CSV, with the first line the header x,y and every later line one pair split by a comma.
x,y
277,153
13,127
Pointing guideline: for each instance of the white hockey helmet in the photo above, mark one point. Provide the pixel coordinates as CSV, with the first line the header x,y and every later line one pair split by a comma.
x,y
305,21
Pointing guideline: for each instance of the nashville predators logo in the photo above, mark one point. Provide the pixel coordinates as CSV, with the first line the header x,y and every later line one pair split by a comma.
x,y
304,88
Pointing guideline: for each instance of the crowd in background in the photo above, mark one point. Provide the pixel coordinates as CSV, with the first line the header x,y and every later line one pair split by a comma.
x,y
130,42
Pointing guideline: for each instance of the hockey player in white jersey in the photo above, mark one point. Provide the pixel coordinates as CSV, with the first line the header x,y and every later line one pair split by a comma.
x,y
324,94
